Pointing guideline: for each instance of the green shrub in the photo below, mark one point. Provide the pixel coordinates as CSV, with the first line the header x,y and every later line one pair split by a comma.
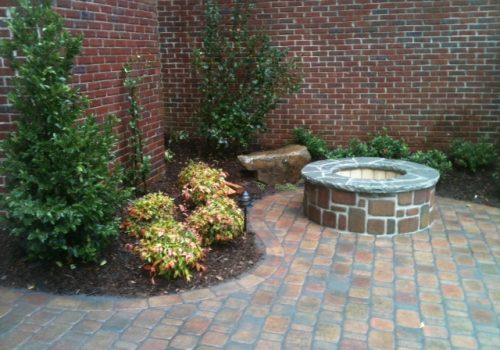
x,y
170,249
338,152
315,144
355,148
358,148
61,198
242,76
472,156
199,183
434,158
383,145
380,145
147,210
219,220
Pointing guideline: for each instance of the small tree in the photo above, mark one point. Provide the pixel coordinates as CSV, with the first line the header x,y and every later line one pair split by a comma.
x,y
242,76
61,197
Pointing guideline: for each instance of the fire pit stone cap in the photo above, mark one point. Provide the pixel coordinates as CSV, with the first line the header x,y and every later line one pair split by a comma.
x,y
413,177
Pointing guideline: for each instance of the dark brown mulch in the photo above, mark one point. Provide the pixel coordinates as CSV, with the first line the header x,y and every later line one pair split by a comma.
x,y
122,274
479,187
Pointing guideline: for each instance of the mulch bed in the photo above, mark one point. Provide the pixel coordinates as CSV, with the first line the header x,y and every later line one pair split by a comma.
x,y
122,274
479,187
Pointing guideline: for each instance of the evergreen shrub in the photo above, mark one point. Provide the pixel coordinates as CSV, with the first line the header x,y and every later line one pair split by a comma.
x,y
62,185
242,76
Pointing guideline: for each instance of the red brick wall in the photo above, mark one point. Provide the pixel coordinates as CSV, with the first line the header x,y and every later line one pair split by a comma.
x,y
115,31
425,70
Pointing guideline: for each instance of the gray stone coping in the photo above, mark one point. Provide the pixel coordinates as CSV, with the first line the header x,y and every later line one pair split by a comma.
x,y
415,176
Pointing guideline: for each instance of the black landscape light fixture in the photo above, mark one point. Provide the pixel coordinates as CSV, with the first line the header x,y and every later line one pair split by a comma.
x,y
245,201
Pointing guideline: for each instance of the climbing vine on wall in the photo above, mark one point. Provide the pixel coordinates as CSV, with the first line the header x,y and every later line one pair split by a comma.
x,y
139,164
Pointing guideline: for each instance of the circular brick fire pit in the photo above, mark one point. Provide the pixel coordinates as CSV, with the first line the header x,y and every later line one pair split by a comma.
x,y
370,195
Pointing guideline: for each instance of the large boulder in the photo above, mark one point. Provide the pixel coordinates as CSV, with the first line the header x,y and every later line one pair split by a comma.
x,y
282,165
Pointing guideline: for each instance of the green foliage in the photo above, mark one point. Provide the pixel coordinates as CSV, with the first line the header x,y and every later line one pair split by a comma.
x,y
147,210
167,247
383,145
219,220
139,164
315,144
168,155
285,187
242,76
175,138
434,158
262,186
472,156
355,148
380,145
199,183
179,136
61,197
170,249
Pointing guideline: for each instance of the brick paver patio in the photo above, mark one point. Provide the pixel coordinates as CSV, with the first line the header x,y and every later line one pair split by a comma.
x,y
315,289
